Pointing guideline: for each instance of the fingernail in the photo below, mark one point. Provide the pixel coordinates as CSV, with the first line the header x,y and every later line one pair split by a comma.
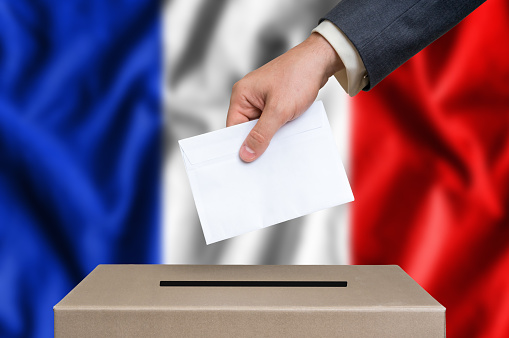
x,y
249,150
246,153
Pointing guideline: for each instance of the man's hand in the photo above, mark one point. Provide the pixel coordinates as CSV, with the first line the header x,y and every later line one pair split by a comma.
x,y
280,91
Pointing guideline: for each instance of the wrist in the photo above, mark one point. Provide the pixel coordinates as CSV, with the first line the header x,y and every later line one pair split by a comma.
x,y
326,58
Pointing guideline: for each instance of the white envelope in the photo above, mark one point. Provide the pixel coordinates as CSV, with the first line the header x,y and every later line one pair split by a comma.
x,y
299,173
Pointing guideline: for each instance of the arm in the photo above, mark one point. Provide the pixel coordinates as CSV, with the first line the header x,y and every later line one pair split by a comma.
x,y
388,33
385,34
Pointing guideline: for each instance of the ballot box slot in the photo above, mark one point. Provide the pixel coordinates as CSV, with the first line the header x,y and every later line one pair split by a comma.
x,y
301,284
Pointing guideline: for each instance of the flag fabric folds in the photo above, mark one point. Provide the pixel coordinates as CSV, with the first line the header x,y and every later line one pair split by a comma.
x,y
431,172
80,128
82,149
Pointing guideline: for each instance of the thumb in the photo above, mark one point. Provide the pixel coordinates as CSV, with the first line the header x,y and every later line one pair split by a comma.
x,y
259,138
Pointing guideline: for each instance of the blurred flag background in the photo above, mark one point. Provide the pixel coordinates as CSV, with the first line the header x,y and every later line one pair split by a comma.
x,y
95,94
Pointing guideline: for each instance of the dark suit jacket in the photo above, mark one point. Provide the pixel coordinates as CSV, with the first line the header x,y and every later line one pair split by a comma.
x,y
389,32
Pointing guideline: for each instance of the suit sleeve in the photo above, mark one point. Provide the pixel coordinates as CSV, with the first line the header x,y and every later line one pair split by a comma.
x,y
387,33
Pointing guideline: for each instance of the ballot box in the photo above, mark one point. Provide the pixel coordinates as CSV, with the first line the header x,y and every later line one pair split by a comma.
x,y
248,301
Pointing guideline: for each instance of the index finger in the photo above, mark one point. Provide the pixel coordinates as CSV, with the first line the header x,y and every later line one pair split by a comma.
x,y
235,116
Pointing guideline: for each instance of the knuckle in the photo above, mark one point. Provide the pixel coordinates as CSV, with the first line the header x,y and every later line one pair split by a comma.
x,y
235,86
257,137
238,86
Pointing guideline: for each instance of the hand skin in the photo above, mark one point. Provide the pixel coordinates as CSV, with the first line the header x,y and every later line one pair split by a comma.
x,y
281,91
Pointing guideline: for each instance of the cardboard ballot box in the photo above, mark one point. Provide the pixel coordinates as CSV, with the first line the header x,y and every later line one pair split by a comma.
x,y
248,301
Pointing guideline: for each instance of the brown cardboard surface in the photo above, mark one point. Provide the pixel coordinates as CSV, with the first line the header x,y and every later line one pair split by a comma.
x,y
126,300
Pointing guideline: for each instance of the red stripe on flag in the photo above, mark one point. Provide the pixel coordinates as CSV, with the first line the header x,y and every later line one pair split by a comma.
x,y
430,168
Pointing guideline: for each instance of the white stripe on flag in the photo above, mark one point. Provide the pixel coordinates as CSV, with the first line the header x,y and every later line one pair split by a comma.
x,y
205,51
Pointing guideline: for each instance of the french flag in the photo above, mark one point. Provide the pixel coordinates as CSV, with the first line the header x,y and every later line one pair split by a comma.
x,y
95,94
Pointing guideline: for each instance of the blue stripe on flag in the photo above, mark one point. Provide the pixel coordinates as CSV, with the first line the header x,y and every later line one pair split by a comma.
x,y
80,148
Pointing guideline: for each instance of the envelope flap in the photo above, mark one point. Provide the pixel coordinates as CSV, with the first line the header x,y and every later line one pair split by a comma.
x,y
227,141
215,144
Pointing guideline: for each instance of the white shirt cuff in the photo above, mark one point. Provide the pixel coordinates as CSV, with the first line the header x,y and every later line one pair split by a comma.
x,y
353,77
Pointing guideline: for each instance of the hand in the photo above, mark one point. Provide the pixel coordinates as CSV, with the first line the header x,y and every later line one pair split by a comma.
x,y
281,91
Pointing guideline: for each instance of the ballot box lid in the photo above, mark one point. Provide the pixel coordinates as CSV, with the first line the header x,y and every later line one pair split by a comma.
x,y
237,287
